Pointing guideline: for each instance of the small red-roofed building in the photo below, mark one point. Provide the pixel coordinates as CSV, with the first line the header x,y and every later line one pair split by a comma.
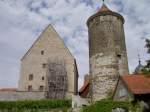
x,y
133,87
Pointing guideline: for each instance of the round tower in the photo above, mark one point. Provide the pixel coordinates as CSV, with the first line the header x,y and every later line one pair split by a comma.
x,y
107,51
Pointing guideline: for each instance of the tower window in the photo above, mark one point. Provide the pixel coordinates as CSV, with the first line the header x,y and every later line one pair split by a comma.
x,y
30,77
119,56
30,88
43,78
42,52
44,65
41,88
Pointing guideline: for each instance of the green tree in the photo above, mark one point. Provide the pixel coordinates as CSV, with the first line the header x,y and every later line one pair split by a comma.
x,y
148,51
146,69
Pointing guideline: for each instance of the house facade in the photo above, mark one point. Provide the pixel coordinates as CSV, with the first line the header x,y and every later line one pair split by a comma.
x,y
49,66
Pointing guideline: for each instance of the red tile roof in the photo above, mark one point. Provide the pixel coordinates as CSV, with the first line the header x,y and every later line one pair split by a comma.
x,y
137,84
84,86
8,89
83,92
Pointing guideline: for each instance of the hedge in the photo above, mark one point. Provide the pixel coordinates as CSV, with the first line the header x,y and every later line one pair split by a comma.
x,y
107,106
31,105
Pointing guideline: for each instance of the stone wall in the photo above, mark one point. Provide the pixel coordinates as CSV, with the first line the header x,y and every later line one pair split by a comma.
x,y
13,96
104,76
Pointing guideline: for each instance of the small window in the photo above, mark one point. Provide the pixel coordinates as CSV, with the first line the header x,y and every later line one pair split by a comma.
x,y
119,56
42,52
44,65
30,88
30,77
41,88
43,78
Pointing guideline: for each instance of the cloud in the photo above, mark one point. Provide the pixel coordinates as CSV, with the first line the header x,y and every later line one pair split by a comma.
x,y
23,20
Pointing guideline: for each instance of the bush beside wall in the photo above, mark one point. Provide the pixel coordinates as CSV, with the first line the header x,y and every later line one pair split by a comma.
x,y
107,106
34,105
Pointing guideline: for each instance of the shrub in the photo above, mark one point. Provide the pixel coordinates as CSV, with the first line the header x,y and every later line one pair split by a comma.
x,y
31,105
107,106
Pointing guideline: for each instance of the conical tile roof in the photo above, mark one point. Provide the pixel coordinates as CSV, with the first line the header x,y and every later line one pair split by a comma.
x,y
104,8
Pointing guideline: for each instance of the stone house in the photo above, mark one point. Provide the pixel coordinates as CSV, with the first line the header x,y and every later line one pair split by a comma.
x,y
49,56
48,71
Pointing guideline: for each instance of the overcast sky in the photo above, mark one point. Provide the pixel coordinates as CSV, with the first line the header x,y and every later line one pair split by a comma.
x,y
22,21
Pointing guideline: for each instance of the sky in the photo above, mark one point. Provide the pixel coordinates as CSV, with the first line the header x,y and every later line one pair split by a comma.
x,y
22,21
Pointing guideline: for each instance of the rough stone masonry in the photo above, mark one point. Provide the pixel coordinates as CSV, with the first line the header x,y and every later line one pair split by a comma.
x,y
107,51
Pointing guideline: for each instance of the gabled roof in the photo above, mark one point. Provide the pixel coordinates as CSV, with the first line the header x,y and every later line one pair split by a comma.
x,y
49,26
8,89
137,84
